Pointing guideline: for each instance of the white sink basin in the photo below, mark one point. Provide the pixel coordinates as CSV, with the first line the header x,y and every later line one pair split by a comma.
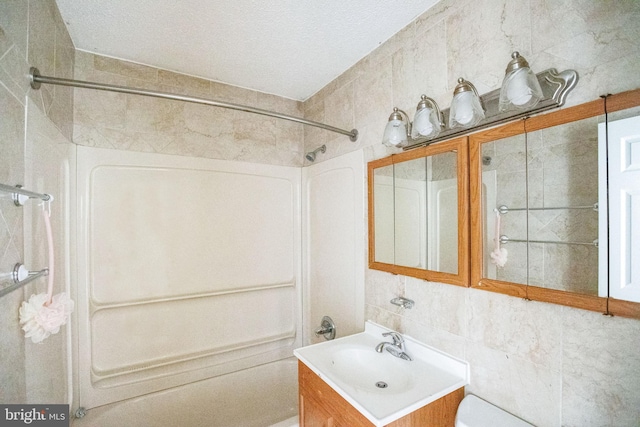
x,y
368,371
381,386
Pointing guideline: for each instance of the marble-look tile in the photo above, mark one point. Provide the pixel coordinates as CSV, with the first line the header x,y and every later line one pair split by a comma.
x,y
187,85
313,136
12,72
430,66
600,370
382,317
14,17
527,329
11,137
339,108
437,14
125,68
480,38
42,30
145,114
441,306
12,351
571,267
381,287
404,84
442,340
590,33
528,390
372,93
257,131
223,92
100,109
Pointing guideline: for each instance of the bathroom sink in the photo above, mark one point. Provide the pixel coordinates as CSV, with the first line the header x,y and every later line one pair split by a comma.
x,y
371,372
381,386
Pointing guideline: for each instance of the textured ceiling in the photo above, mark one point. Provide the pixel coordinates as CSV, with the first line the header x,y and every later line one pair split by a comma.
x,y
290,48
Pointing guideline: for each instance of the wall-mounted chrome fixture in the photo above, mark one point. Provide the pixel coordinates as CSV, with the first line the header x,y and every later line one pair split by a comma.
x,y
21,276
36,79
327,329
403,302
20,196
311,156
522,94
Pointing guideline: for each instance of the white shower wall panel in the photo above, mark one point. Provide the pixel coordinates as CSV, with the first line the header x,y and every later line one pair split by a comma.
x,y
187,268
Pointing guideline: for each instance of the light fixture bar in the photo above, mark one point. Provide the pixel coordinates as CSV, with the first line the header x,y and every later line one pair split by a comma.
x,y
555,87
36,80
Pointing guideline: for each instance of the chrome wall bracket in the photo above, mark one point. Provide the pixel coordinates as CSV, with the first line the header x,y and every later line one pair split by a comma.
x,y
403,302
555,88
21,276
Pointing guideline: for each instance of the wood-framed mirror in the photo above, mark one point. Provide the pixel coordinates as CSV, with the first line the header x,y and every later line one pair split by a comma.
x,y
419,213
540,206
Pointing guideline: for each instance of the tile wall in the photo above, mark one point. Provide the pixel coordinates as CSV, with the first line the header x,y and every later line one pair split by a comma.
x,y
551,365
132,122
31,33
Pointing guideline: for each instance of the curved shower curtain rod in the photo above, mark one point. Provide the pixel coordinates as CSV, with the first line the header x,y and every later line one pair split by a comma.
x,y
37,79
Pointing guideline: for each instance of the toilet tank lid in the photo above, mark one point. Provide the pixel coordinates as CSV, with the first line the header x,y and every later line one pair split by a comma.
x,y
475,412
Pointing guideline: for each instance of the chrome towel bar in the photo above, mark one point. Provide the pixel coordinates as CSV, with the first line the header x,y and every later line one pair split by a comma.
x,y
17,191
21,276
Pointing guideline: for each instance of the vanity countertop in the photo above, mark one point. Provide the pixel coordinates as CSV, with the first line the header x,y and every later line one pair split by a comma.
x,y
380,386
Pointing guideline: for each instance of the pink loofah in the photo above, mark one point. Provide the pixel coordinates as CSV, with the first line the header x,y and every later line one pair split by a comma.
x,y
43,314
498,255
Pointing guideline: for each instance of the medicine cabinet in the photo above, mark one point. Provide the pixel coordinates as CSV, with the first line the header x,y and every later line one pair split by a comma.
x,y
562,222
419,215
543,212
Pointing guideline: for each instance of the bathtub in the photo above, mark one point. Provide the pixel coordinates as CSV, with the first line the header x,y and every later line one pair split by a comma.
x,y
261,396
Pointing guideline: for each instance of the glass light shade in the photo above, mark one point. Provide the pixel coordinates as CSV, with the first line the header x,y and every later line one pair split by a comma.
x,y
425,124
520,89
466,110
395,134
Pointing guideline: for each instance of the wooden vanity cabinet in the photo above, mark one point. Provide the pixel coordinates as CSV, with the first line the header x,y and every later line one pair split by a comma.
x,y
322,406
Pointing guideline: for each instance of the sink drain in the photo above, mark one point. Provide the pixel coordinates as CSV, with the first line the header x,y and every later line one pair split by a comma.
x,y
382,384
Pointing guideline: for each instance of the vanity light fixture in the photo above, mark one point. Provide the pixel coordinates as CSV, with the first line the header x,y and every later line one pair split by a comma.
x,y
466,108
428,121
522,94
520,87
427,124
395,134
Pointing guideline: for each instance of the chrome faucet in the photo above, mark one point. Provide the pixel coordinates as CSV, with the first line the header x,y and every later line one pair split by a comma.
x,y
396,347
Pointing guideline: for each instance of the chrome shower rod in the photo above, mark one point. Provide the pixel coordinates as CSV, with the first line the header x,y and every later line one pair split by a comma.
x,y
37,79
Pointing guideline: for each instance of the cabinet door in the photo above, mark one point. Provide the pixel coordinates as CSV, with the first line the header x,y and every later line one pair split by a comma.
x,y
313,415
624,207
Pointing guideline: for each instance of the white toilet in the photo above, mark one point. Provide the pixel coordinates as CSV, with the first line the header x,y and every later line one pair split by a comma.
x,y
475,412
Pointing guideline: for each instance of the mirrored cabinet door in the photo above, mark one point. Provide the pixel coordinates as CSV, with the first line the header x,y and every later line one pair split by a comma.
x,y
381,242
541,207
419,215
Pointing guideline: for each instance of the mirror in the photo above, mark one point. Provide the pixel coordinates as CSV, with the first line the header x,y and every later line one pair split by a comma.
x,y
418,215
539,220
384,218
540,195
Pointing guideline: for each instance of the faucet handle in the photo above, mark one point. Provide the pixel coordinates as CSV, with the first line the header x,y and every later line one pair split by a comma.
x,y
397,338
